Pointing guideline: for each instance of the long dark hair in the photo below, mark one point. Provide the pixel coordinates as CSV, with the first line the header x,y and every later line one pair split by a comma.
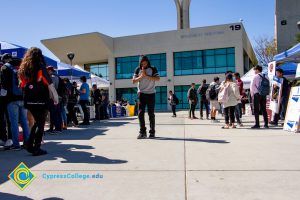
x,y
32,62
144,59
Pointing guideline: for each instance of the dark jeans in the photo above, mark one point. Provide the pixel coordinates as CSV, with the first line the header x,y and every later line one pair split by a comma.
x,y
72,115
260,104
97,111
37,131
83,104
5,128
149,101
282,110
174,109
55,116
229,114
238,112
104,111
204,103
192,110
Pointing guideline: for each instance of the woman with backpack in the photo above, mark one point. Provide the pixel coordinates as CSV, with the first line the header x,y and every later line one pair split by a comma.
x,y
229,96
38,89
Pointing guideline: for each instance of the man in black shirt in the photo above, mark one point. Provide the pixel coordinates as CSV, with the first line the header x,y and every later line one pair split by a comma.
x,y
203,100
193,100
284,97
96,95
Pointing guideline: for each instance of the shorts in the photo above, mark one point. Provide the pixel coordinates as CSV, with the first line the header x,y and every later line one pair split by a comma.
x,y
215,104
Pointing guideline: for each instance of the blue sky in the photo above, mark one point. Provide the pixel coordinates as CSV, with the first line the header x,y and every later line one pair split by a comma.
x,y
27,22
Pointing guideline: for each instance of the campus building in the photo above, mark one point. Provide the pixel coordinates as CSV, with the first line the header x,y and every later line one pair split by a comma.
x,y
286,18
181,57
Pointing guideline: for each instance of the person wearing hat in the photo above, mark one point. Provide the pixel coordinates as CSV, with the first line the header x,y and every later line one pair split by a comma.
x,y
145,76
284,98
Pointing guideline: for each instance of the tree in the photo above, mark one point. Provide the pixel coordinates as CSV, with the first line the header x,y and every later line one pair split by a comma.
x,y
265,49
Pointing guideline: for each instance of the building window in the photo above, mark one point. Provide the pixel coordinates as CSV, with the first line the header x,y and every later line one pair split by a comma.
x,y
213,61
125,66
181,93
98,69
130,94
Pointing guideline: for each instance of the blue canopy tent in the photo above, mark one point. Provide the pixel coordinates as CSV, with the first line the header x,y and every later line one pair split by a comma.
x,y
19,51
288,60
71,72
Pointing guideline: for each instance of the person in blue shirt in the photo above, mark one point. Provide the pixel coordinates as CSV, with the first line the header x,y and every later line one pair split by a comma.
x,y
84,99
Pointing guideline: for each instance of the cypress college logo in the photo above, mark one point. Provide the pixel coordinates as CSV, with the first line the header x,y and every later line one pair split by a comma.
x,y
22,176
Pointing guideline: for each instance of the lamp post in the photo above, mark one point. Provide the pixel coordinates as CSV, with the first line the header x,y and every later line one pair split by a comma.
x,y
71,56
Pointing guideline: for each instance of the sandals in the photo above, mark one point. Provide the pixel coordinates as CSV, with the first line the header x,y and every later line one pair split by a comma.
x,y
225,127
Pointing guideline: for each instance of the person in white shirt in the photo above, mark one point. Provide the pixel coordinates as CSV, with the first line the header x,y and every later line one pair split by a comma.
x,y
259,101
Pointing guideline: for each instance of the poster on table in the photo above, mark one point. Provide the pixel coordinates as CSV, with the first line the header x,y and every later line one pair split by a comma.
x,y
298,71
271,69
292,117
275,96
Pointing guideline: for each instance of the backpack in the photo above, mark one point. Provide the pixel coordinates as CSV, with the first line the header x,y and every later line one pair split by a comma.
x,y
176,100
63,91
223,95
264,87
212,93
15,89
36,95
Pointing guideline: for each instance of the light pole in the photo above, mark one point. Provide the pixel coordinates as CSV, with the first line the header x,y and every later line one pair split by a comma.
x,y
71,57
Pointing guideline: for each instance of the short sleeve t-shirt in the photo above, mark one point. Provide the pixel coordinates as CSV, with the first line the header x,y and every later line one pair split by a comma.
x,y
86,95
145,85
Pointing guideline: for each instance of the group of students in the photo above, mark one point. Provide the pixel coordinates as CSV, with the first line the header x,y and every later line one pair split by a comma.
x,y
29,91
229,97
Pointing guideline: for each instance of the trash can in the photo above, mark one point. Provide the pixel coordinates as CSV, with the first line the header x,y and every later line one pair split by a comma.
x,y
114,111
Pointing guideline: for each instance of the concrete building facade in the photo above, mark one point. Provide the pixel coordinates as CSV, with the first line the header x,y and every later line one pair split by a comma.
x,y
286,18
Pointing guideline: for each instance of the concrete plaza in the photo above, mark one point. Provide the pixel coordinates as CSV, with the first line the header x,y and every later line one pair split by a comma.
x,y
190,159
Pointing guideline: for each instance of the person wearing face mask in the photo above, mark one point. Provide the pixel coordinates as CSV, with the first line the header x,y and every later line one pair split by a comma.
x,y
145,76
238,107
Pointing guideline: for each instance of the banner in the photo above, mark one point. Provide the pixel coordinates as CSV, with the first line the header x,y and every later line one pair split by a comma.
x,y
276,92
292,117
298,71
271,70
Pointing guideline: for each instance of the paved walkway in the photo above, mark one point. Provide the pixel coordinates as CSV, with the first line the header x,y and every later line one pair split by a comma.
x,y
191,159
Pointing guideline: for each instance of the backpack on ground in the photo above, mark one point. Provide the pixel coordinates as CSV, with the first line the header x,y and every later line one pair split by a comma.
x,y
264,87
36,95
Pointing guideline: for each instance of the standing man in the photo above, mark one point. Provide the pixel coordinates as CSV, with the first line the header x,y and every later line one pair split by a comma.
x,y
173,101
55,109
193,100
97,100
284,98
15,107
104,105
239,106
84,100
259,88
212,95
146,76
203,100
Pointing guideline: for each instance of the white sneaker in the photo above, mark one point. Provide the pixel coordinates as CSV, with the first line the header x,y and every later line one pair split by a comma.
x,y
8,143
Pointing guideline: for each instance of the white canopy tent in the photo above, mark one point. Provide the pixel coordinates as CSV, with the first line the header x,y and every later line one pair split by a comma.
x,y
247,78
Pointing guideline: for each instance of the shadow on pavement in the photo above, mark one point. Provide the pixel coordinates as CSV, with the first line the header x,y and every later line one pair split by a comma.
x,y
193,140
67,153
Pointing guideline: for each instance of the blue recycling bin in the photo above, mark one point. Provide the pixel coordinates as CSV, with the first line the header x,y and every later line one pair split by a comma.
x,y
114,111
